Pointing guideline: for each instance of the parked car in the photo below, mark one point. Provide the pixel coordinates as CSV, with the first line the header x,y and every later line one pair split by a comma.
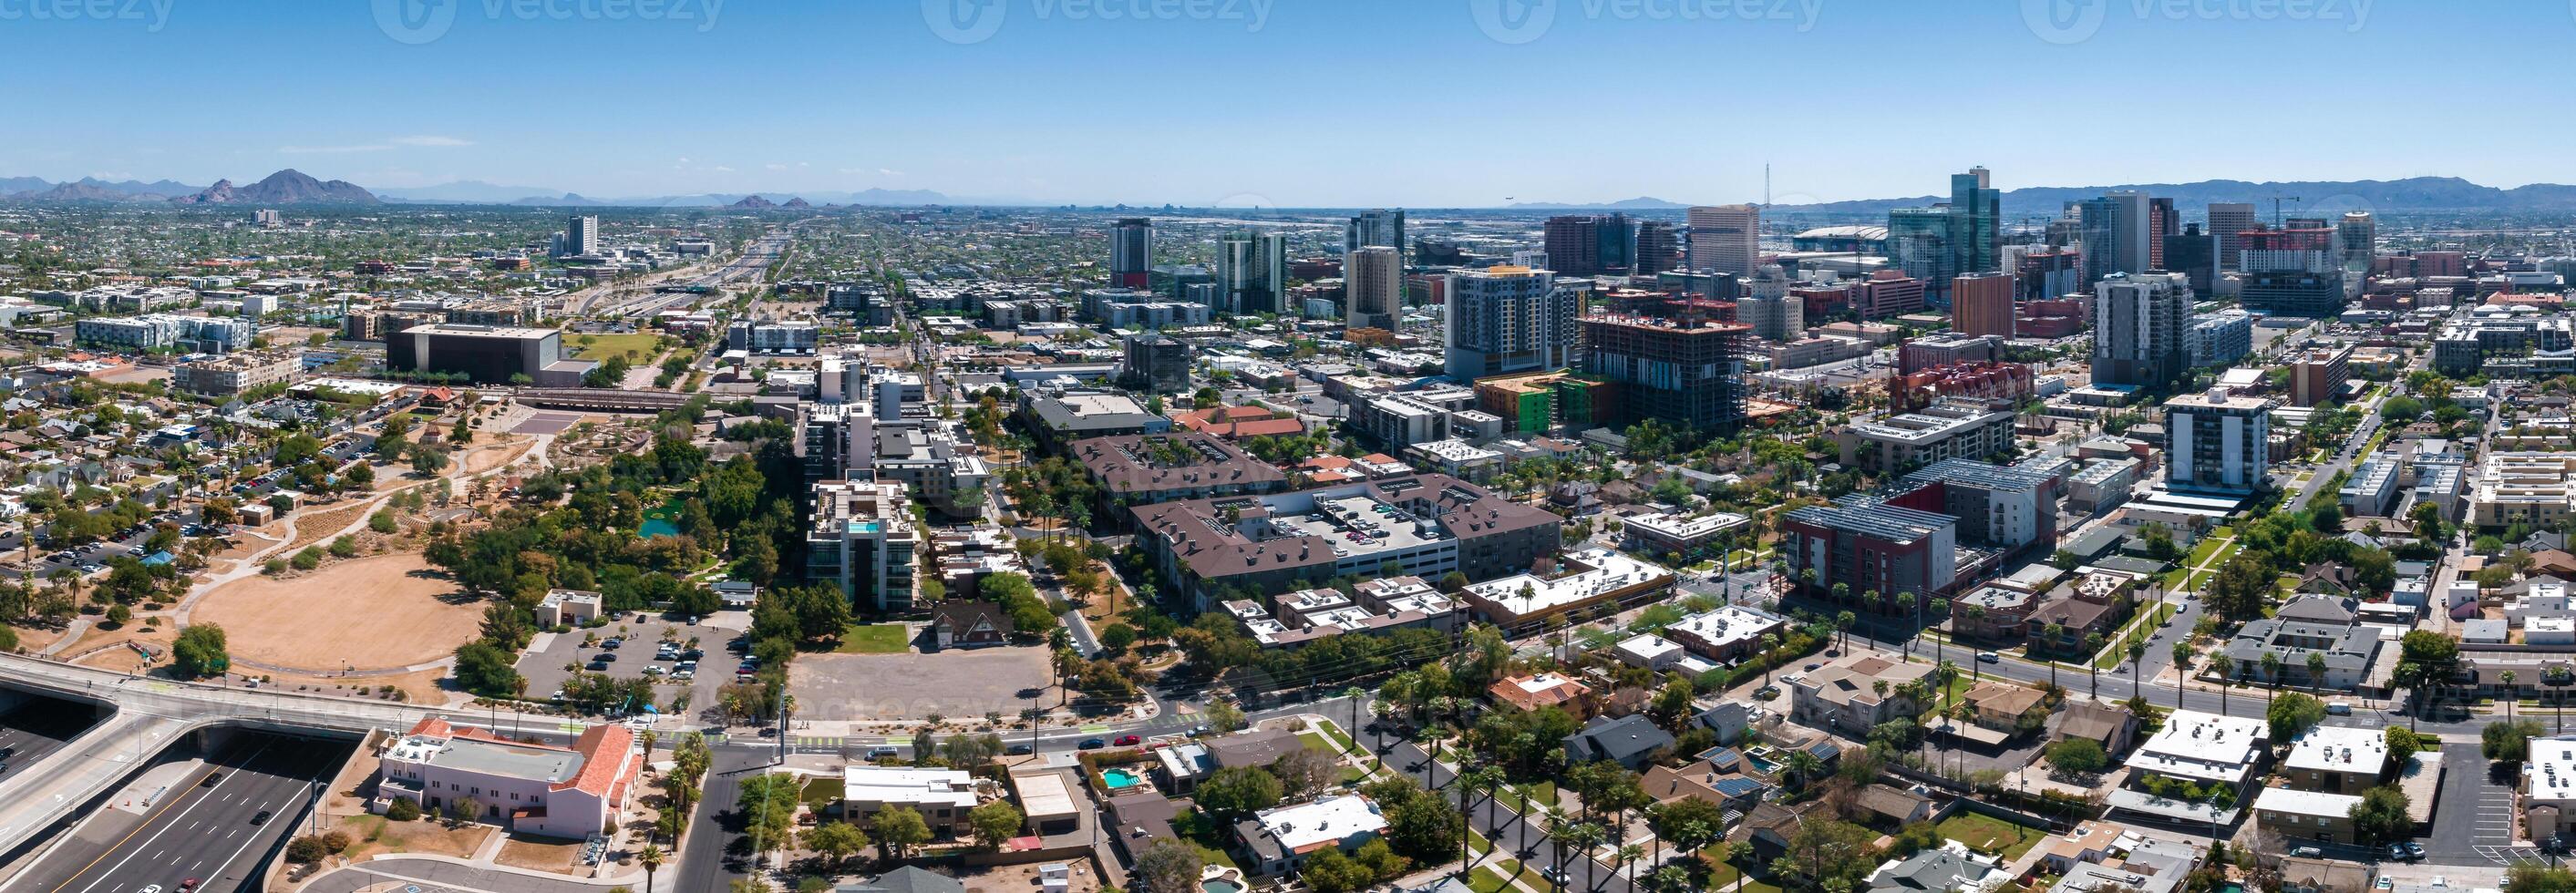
x,y
1092,744
1989,657
1020,749
1127,740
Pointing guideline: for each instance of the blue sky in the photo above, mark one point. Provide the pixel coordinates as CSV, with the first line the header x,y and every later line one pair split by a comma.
x,y
1284,102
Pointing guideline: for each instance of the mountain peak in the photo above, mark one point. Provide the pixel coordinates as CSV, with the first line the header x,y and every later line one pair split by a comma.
x,y
286,187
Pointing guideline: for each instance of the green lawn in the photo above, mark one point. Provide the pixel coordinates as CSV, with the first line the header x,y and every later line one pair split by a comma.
x,y
1991,835
879,638
1542,794
1334,731
639,347
820,793
1724,877
1200,833
1485,880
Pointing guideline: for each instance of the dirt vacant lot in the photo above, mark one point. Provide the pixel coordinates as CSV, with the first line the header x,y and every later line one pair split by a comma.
x,y
371,613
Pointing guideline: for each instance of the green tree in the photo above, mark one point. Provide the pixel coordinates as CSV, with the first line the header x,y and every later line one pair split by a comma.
x,y
199,651
898,829
2081,756
995,823
2508,742
2380,817
486,670
1237,791
1168,865
2292,714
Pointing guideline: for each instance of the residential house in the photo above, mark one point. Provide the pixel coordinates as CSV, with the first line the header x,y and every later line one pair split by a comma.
x,y
2007,707
1632,741
1856,693
1705,782
907,879
1948,868
2115,728
1894,807
1280,839
968,624
1530,692
942,796
2301,816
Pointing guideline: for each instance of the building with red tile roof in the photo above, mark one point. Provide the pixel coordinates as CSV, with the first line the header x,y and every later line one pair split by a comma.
x,y
542,789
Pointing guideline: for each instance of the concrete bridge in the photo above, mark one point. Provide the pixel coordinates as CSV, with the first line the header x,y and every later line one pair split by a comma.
x,y
143,715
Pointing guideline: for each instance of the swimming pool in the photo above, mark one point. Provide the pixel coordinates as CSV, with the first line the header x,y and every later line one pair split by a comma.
x,y
1221,886
1120,779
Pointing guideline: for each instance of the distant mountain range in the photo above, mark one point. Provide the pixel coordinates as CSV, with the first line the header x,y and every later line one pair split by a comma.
x,y
290,187
89,190
2411,195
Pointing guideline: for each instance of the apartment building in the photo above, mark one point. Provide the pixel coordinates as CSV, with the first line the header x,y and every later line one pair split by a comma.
x,y
862,540
1948,429
232,374
2534,489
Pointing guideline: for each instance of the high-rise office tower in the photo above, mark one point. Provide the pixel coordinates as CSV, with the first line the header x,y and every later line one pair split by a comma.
x,y
1766,305
1252,272
1982,304
2228,222
1378,227
1725,238
2194,254
1918,242
2218,441
1976,215
2115,228
2138,327
581,235
1616,239
1574,244
2293,272
2356,240
1373,279
2161,221
1508,319
1131,253
1657,247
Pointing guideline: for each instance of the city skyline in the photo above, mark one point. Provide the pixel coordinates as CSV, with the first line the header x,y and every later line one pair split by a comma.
x,y
714,97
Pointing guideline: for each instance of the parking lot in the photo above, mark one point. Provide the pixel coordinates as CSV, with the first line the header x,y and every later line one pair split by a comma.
x,y
2474,822
957,683
544,661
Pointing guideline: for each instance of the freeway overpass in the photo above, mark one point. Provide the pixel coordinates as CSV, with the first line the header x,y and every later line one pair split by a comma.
x,y
146,715
601,399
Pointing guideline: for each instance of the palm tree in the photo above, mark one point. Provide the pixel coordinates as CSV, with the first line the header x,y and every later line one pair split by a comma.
x,y
2271,671
2559,677
2510,695
2053,632
2226,669
1940,608
2093,665
2317,670
1769,642
2182,669
1805,765
651,857
2137,672
1843,624
1355,695
1629,853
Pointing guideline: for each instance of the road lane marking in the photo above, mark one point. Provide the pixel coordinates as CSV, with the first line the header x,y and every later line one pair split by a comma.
x,y
228,779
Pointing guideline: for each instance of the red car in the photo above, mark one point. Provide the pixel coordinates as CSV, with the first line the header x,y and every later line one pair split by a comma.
x,y
1127,740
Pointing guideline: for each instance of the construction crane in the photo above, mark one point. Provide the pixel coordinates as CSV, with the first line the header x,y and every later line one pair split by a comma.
x,y
2276,208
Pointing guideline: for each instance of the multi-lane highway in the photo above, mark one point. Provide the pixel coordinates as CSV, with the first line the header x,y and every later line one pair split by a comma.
x,y
33,730
216,825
